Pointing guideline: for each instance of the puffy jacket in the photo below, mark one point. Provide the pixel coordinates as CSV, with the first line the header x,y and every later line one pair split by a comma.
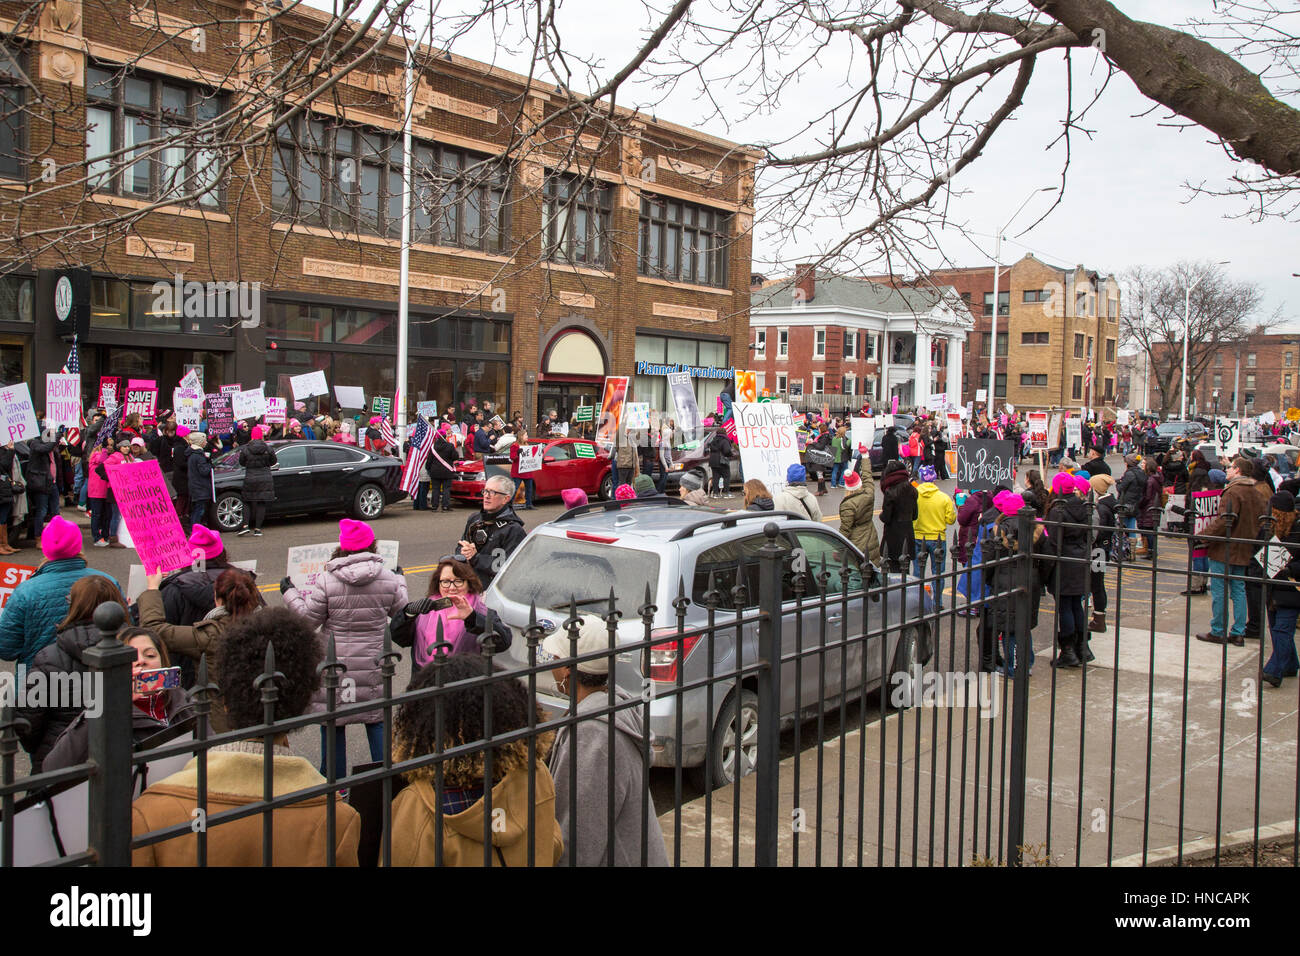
x,y
858,519
934,512
761,504
200,477
46,723
1069,544
415,819
1130,489
36,607
798,500
257,459
40,457
352,599
438,471
97,487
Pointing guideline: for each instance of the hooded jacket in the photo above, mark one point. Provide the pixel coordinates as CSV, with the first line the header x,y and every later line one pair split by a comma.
x,y
505,530
761,504
858,519
897,513
36,607
1241,498
257,459
415,817
1130,489
584,812
352,599
200,476
191,642
235,780
934,512
798,500
46,723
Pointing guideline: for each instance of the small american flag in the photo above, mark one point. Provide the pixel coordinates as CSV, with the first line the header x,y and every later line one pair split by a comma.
x,y
386,432
422,439
1087,379
72,366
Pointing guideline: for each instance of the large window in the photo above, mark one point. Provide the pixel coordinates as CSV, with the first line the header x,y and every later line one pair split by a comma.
x,y
16,298
850,339
1001,391
1034,338
117,304
1004,303
1034,380
575,223
683,242
1076,392
1002,344
819,343
125,110
1079,339
348,177
660,349
13,119
1110,350
783,343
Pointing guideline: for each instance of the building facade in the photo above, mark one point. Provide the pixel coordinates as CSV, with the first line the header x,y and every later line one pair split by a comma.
x,y
544,256
845,341
1261,373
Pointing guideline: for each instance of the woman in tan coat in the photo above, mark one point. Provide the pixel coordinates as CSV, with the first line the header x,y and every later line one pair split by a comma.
x,y
236,596
416,815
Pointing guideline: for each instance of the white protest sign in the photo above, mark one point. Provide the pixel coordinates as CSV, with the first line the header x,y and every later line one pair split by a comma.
x,y
63,399
1268,418
248,404
1279,556
188,405
17,415
192,379
862,432
277,411
308,384
636,416
1121,417
981,394
1227,436
530,459
937,402
1073,433
765,434
135,581
350,396
310,559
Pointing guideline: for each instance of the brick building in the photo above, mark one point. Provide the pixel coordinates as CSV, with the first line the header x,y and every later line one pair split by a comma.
x,y
1259,374
842,341
543,257
1050,320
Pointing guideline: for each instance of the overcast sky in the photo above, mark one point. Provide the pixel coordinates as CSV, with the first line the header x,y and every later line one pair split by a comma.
x,y
1125,202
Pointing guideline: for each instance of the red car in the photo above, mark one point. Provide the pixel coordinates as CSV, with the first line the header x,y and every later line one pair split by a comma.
x,y
566,463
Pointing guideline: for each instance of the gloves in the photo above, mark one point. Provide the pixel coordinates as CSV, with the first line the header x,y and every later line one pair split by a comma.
x,y
398,571
286,583
416,608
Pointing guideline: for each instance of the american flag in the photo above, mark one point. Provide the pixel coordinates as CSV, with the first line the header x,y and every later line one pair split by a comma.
x,y
386,432
72,366
422,439
1087,379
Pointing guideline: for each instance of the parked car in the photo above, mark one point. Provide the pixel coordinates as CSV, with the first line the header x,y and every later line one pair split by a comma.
x,y
312,477
623,546
566,463
693,457
1161,438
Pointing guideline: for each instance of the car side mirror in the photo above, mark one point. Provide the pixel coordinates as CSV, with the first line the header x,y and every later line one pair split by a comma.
x,y
548,460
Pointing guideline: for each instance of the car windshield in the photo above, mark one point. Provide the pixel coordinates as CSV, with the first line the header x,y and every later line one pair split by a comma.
x,y
1175,428
550,570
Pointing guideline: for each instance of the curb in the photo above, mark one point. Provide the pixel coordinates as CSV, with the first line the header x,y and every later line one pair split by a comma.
x,y
1204,848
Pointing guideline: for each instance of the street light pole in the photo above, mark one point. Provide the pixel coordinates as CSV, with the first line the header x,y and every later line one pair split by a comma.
x,y
1187,312
993,327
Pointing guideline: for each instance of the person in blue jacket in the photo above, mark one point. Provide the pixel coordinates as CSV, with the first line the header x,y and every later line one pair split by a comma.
x,y
34,610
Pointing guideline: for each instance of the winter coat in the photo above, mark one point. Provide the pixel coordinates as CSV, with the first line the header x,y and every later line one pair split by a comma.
x,y
1130,489
1096,466
1175,474
298,831
858,519
505,531
445,469
200,477
761,504
889,446
37,605
1149,508
1104,519
46,723
696,498
97,487
257,459
73,745
414,819
719,452
405,632
898,511
968,522
1241,497
352,599
1002,542
1283,591
587,744
192,642
181,467
164,449
188,595
7,456
798,500
1068,545
40,456
934,512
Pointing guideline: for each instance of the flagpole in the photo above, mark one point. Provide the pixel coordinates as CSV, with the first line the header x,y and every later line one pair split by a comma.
x,y
404,287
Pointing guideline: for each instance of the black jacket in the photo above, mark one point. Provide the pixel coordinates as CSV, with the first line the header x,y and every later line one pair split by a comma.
x,y
760,504
6,475
1130,488
1097,466
256,458
897,513
1069,545
719,452
188,595
1283,589
1104,519
61,657
889,445
447,451
504,531
39,479
181,466
200,477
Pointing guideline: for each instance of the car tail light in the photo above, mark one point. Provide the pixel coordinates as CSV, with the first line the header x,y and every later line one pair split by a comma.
x,y
587,536
664,658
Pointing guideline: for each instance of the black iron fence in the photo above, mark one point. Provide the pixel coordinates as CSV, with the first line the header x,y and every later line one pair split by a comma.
x,y
851,718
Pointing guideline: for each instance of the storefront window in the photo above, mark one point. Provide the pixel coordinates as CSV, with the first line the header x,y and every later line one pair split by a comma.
x,y
365,327
377,374
110,304
283,364
128,363
16,299
431,380
488,336
291,320
13,359
483,381
148,314
428,332
660,349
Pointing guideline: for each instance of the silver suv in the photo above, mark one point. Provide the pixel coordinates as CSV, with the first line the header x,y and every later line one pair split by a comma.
x,y
625,545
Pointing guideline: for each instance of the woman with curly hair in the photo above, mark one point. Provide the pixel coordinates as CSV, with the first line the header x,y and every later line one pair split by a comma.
x,y
458,806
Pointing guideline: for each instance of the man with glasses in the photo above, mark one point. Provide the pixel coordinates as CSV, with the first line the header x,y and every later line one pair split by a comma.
x,y
494,533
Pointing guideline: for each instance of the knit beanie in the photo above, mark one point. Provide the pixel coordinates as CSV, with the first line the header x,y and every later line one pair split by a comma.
x,y
355,535
61,539
624,493
573,497
643,485
206,542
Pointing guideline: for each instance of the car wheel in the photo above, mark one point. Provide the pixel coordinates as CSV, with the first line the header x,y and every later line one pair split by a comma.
x,y
368,503
606,490
898,686
230,512
738,718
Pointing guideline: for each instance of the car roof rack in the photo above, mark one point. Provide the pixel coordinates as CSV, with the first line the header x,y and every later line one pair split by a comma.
x,y
617,505
730,520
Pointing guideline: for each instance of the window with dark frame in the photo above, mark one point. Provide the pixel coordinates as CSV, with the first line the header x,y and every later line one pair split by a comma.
x,y
1036,295
1077,390
326,173
683,242
124,109
13,117
1034,338
575,221
1110,350
1079,340
849,342
1034,380
1004,303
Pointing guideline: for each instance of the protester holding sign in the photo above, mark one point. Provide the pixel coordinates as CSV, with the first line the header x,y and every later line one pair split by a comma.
x,y
532,463
258,490
42,479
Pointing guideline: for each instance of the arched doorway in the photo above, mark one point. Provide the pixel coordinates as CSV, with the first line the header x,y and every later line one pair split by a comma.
x,y
572,373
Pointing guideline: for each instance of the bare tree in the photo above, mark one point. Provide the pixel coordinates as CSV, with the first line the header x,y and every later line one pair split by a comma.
x,y
1222,315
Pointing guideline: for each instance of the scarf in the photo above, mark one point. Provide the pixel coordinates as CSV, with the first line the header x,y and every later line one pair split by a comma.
x,y
453,631
154,706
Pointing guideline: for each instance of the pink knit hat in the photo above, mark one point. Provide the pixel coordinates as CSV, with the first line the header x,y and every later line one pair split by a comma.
x,y
624,492
1062,484
573,497
1010,504
1082,485
181,431
61,539
257,432
355,535
206,541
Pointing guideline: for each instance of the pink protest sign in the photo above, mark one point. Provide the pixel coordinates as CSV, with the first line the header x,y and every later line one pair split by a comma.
x,y
893,410
142,401
276,413
142,383
149,514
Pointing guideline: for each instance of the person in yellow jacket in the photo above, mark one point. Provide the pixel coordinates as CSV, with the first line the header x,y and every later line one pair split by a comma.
x,y
935,513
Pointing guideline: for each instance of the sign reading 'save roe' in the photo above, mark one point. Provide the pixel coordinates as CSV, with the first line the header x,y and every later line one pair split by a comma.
x,y
765,434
